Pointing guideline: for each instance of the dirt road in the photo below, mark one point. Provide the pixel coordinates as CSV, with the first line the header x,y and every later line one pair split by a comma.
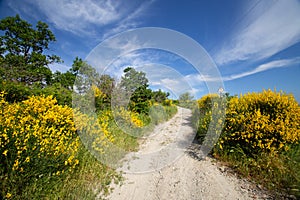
x,y
155,173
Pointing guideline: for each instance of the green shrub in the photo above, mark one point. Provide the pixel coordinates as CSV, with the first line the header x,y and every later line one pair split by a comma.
x,y
159,113
262,122
38,139
211,115
15,92
260,137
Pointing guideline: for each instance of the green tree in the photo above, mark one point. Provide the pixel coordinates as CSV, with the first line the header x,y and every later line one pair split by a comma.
x,y
22,51
65,79
106,85
82,77
135,85
159,96
133,79
85,74
85,78
186,97
186,100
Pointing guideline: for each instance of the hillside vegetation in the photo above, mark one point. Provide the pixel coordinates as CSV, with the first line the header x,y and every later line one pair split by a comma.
x,y
47,120
260,137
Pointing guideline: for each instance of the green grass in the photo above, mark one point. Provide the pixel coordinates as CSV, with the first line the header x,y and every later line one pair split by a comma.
x,y
278,173
159,113
91,178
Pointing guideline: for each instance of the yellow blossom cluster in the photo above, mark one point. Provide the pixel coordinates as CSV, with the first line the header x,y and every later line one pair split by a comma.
x,y
168,102
266,121
97,92
36,134
135,119
211,117
206,101
92,132
128,118
99,132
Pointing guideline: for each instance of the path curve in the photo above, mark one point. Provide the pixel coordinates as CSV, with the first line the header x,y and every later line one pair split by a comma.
x,y
188,178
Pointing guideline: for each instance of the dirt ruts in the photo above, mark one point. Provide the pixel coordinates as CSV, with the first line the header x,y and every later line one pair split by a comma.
x,y
185,176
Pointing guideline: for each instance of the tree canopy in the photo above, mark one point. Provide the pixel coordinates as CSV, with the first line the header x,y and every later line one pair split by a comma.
x,y
135,84
132,80
186,97
24,72
22,51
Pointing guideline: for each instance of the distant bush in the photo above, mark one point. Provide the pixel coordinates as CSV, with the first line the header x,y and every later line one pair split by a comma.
x,y
159,113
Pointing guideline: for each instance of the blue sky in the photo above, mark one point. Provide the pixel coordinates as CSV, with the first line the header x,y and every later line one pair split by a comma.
x,y
254,44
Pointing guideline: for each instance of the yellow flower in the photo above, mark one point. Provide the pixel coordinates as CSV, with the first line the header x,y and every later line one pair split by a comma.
x,y
16,165
8,195
41,120
27,159
5,152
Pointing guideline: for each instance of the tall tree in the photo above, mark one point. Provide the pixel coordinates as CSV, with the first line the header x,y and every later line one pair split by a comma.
x,y
22,51
133,80
185,97
85,74
136,85
186,100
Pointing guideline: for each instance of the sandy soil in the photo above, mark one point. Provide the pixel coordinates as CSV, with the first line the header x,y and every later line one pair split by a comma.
x,y
155,172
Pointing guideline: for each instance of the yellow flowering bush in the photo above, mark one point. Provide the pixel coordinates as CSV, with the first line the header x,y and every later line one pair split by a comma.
x,y
206,101
168,102
37,137
262,122
100,132
128,118
97,92
211,116
102,101
106,135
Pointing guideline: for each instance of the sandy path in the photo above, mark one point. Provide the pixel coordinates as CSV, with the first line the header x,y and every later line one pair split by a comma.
x,y
186,178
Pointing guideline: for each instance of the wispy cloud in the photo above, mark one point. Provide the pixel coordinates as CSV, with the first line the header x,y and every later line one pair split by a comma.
x,y
271,30
263,67
128,22
159,75
166,77
84,17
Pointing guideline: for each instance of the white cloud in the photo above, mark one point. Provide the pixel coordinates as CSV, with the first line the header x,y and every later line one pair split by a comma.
x,y
129,21
165,77
84,17
159,76
271,30
263,67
